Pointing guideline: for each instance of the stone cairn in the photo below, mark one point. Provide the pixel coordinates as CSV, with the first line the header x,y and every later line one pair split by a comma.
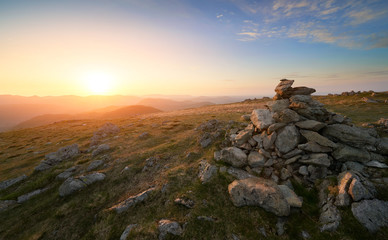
x,y
297,138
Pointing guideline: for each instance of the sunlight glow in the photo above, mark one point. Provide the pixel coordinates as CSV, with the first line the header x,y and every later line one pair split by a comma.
x,y
98,82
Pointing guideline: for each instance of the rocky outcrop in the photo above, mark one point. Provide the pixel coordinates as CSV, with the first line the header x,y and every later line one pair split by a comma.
x,y
72,185
8,183
131,201
54,158
259,192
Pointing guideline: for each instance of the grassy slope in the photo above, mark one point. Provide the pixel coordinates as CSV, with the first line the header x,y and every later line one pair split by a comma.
x,y
84,215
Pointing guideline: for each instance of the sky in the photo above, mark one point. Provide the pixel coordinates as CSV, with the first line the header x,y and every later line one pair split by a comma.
x,y
191,47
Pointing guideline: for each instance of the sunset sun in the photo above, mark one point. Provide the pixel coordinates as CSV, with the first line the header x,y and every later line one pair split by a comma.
x,y
98,82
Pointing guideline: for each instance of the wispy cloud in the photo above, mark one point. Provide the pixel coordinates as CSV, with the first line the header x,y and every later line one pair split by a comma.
x,y
337,22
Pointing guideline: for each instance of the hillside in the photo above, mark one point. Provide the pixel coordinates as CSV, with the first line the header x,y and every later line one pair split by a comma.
x,y
171,105
164,161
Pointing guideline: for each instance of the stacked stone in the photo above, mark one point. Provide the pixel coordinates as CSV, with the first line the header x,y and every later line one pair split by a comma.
x,y
296,137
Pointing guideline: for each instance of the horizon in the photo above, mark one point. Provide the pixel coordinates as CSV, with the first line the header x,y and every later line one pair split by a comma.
x,y
198,48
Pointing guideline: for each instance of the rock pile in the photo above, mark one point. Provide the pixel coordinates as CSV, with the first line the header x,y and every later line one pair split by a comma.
x,y
297,138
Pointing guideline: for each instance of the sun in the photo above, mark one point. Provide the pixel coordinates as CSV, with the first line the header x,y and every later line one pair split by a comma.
x,y
98,82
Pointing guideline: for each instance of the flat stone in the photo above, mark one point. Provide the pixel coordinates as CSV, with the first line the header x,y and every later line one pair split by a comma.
x,y
346,153
314,147
28,196
372,214
318,159
311,125
353,136
8,183
259,192
317,138
274,127
376,164
131,201
292,160
278,105
262,118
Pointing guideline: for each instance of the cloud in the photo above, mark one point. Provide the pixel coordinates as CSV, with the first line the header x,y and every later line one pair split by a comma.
x,y
219,15
337,22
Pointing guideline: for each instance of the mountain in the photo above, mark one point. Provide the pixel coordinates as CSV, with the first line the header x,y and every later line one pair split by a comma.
x,y
111,112
171,105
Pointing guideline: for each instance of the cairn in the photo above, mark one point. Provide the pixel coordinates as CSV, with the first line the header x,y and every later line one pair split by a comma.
x,y
297,138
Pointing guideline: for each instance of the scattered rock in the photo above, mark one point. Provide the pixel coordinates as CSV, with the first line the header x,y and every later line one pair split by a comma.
x,y
185,202
26,197
127,231
8,183
372,214
131,201
95,164
52,159
72,185
206,171
100,149
169,227
259,192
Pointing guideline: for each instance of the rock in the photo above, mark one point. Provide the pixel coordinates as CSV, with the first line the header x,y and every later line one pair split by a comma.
x,y
206,218
144,135
274,127
243,137
302,91
205,141
310,125
278,105
283,89
303,170
287,139
72,185
292,160
345,153
256,159
376,164
292,199
8,183
95,164
64,153
305,235
268,163
354,166
330,218
344,180
268,140
382,146
206,171
26,197
338,118
358,192
6,204
292,153
280,226
234,156
262,118
372,214
66,174
259,192
314,147
246,117
217,155
185,202
285,174
238,173
317,138
100,149
368,100
353,136
318,159
286,116
127,230
169,227
132,200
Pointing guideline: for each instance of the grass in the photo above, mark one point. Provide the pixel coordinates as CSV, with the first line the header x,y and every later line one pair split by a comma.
x,y
85,215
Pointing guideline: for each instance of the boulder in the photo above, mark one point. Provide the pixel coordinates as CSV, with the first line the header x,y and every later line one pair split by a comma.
x,y
243,136
314,147
311,125
8,183
346,153
353,136
278,105
72,185
286,116
132,200
292,199
52,159
372,214
169,227
318,159
317,138
259,192
206,171
255,159
234,156
287,139
262,118
284,87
